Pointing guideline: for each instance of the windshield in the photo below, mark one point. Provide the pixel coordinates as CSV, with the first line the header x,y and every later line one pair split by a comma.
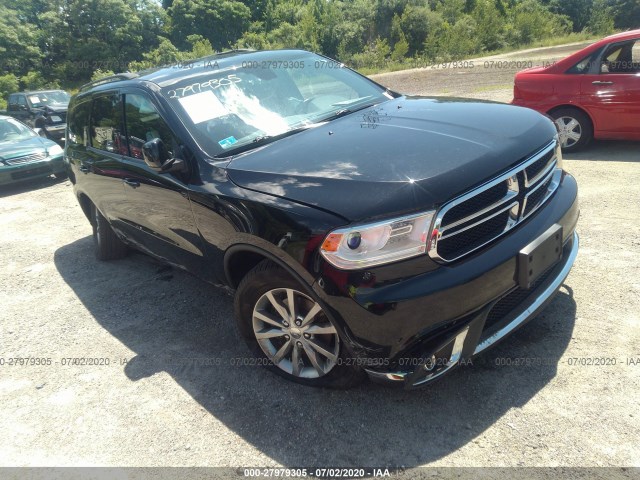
x,y
41,99
234,109
13,131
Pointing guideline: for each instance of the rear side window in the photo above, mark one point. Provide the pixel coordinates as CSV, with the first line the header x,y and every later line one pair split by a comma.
x,y
78,124
144,123
13,100
106,124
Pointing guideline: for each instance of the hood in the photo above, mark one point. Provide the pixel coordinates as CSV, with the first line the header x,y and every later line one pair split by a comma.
x,y
57,107
26,147
405,155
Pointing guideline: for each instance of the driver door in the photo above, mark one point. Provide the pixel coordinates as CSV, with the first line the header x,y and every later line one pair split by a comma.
x,y
612,92
158,210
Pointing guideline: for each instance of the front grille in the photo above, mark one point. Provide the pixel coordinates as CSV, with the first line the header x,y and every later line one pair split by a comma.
x,y
535,198
477,218
478,202
537,167
473,237
34,157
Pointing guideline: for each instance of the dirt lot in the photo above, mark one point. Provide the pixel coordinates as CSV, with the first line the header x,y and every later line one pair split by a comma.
x,y
151,406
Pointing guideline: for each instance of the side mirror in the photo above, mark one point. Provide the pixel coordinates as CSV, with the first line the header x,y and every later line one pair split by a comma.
x,y
157,157
154,153
41,132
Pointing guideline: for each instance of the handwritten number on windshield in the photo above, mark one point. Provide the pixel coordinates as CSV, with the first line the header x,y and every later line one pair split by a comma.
x,y
212,84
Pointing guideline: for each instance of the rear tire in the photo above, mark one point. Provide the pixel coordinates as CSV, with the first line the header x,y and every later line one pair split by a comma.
x,y
299,344
107,245
576,129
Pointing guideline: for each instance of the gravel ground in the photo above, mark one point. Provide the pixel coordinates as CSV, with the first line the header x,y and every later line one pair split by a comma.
x,y
152,406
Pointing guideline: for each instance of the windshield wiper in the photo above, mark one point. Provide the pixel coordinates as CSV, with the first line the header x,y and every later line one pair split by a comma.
x,y
346,111
262,140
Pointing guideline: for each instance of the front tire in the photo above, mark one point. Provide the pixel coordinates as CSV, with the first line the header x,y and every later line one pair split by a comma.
x,y
575,128
107,245
289,332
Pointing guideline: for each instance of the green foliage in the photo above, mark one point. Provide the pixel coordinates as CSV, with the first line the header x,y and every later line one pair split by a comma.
x,y
36,81
8,84
400,49
222,22
99,73
601,21
531,21
68,42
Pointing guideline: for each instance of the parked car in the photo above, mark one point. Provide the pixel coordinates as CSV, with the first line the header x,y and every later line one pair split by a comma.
x,y
24,155
363,231
594,93
43,110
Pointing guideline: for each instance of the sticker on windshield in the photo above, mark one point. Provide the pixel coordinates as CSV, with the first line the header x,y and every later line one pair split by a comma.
x,y
228,142
203,106
34,99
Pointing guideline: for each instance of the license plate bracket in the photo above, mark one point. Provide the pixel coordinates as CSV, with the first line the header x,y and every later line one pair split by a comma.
x,y
539,255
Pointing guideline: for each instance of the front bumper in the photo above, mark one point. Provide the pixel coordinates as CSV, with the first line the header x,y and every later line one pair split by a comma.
x,y
397,318
10,174
478,335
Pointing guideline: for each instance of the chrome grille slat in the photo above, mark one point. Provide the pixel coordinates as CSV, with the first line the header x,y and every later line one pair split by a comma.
x,y
507,198
495,214
34,157
543,173
483,215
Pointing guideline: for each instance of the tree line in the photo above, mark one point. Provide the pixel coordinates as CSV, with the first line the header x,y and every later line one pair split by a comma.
x,y
64,43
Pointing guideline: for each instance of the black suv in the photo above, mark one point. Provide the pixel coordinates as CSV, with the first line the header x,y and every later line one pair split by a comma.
x,y
363,231
45,110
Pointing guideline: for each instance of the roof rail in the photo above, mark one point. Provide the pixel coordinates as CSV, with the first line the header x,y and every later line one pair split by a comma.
x,y
109,79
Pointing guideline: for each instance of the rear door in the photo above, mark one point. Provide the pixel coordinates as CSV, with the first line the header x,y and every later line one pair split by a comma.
x,y
158,207
611,91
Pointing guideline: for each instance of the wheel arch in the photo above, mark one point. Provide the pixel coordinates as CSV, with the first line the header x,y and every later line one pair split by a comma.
x,y
574,107
241,258
85,203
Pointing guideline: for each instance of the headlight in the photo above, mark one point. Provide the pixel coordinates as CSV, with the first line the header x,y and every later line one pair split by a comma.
x,y
55,150
364,246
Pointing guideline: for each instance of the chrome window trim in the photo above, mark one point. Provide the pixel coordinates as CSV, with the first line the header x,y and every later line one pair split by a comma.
x,y
513,191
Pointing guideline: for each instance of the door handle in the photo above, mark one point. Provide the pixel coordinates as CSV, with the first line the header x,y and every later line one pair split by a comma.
x,y
132,183
600,82
84,169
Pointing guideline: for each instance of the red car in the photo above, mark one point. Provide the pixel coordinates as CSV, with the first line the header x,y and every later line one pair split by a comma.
x,y
594,93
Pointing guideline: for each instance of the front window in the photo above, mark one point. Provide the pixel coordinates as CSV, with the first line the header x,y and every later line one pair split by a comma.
x,y
231,110
42,99
622,58
13,131
144,123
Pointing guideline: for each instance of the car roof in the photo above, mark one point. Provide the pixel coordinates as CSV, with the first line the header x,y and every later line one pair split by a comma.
x,y
29,92
621,36
168,75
